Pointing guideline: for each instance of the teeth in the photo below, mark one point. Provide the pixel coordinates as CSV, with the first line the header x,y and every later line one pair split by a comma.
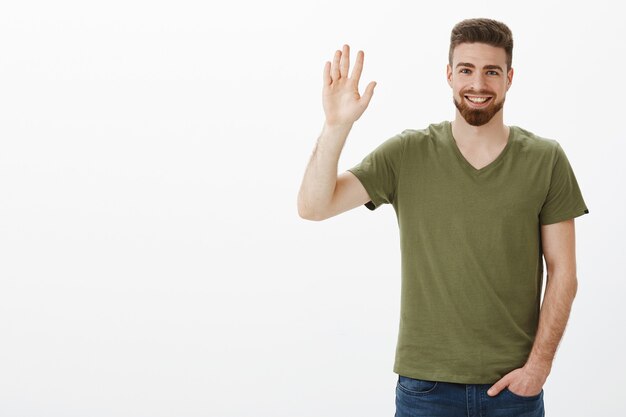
x,y
477,99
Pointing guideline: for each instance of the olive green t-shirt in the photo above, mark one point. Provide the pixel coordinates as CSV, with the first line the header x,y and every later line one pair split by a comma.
x,y
470,240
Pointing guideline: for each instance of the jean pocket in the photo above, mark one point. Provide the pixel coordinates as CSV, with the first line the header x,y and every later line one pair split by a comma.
x,y
523,397
414,386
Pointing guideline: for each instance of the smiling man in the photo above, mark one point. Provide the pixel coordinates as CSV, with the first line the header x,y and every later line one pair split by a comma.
x,y
479,206
479,107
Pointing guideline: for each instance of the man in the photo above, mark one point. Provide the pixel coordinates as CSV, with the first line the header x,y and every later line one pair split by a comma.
x,y
478,204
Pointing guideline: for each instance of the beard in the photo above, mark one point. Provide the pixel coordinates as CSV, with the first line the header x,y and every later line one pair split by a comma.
x,y
478,117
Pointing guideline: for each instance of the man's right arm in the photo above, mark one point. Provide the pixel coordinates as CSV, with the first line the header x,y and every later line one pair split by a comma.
x,y
323,194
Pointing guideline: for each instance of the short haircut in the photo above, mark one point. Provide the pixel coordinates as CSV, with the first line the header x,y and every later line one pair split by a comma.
x,y
482,30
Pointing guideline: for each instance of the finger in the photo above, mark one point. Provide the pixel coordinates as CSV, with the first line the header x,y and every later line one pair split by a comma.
x,y
497,387
334,72
358,67
345,61
327,79
368,93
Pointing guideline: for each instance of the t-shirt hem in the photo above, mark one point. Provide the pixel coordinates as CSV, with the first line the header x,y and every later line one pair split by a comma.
x,y
374,202
446,377
570,215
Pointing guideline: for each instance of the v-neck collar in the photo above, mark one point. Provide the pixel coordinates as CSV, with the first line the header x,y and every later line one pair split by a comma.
x,y
469,167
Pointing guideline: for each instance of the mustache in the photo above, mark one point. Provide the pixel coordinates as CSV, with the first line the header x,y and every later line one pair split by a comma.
x,y
478,93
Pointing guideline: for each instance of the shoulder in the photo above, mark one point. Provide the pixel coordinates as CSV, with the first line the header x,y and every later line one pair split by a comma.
x,y
532,141
535,146
427,135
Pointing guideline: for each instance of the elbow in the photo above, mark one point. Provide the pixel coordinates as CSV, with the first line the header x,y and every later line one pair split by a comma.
x,y
306,213
314,208
309,216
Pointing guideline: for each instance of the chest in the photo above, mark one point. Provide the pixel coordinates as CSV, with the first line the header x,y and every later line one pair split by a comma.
x,y
441,191
480,158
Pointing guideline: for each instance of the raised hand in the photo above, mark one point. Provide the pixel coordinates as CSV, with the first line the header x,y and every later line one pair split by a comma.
x,y
343,105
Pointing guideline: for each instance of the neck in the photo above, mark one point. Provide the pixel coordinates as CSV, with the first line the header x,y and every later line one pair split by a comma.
x,y
491,133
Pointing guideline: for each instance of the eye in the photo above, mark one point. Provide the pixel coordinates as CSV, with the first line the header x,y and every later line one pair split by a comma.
x,y
463,69
494,72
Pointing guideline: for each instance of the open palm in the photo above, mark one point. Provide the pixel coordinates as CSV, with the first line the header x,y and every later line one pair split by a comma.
x,y
343,105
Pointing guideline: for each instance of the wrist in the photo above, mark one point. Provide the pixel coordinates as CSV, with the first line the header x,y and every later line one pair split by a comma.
x,y
539,367
338,127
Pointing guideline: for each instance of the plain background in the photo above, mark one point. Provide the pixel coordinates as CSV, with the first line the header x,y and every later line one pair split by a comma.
x,y
152,261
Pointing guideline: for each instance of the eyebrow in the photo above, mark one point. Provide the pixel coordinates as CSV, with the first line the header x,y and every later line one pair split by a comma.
x,y
470,65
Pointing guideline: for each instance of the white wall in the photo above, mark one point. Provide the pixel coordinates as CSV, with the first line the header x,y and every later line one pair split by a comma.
x,y
152,261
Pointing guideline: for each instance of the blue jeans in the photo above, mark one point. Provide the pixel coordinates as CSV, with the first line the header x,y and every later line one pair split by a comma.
x,y
422,398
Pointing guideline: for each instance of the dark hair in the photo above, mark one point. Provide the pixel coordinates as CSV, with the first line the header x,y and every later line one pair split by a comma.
x,y
483,30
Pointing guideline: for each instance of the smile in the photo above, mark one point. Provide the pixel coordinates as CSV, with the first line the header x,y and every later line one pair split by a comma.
x,y
478,101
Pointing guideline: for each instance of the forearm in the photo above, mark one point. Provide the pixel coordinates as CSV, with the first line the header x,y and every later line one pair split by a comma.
x,y
320,177
555,311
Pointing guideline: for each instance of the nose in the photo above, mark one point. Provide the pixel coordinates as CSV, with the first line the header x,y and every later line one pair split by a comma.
x,y
478,82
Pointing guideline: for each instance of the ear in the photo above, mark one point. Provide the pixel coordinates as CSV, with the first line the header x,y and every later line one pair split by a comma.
x,y
509,79
449,74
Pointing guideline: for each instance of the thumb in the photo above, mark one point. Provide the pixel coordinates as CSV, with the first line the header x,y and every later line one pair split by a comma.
x,y
369,92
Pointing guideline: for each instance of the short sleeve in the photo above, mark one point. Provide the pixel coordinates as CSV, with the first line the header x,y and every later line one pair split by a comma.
x,y
379,171
564,199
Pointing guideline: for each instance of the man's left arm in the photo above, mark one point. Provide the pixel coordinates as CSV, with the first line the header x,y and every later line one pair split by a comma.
x,y
559,249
